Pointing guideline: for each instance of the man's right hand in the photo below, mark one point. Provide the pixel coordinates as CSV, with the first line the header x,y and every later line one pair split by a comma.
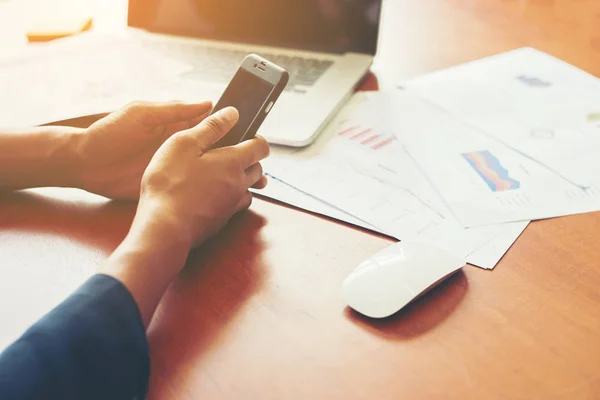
x,y
187,194
200,189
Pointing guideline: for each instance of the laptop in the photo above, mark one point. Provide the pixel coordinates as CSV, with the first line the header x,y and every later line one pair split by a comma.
x,y
327,46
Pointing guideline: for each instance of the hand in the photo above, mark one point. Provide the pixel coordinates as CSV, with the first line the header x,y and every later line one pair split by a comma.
x,y
200,189
114,152
188,193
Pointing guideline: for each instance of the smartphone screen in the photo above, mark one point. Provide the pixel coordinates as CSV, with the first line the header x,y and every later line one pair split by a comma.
x,y
247,93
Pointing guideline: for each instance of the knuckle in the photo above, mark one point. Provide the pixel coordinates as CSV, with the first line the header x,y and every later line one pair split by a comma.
x,y
233,186
183,140
213,125
236,166
242,164
262,141
226,164
263,146
235,162
155,180
136,106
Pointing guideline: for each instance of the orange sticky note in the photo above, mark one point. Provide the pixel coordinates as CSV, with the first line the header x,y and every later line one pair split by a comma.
x,y
58,27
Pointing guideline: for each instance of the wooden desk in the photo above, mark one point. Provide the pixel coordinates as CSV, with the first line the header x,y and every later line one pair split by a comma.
x,y
257,314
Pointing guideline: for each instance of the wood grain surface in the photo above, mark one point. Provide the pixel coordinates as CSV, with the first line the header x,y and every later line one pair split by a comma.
x,y
258,314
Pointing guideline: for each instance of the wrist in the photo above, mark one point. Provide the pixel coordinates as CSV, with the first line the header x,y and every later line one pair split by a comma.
x,y
156,223
66,157
149,258
149,252
77,158
157,212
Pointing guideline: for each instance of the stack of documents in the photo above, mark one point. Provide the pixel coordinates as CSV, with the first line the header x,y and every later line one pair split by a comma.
x,y
462,159
532,137
360,170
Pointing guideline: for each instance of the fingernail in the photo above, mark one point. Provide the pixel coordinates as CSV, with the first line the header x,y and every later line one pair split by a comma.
x,y
229,113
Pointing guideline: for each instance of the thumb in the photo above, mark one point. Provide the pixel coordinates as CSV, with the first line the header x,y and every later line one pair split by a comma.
x,y
213,128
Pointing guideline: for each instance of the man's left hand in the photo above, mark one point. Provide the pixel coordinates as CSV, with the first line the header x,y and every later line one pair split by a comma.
x,y
114,152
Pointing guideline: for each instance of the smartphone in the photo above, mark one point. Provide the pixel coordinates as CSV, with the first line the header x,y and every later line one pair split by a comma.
x,y
253,91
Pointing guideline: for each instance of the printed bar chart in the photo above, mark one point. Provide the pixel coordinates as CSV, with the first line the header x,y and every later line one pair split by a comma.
x,y
367,137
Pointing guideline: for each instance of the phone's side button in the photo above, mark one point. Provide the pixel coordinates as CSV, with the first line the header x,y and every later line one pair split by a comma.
x,y
269,106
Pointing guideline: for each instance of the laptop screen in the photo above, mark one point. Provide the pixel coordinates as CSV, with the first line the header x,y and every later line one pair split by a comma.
x,y
336,26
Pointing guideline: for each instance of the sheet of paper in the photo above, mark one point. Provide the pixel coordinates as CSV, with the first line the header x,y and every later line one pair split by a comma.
x,y
492,252
358,166
281,191
482,180
485,257
81,77
534,103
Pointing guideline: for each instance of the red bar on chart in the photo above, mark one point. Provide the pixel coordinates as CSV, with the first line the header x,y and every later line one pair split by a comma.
x,y
346,131
362,133
382,144
371,139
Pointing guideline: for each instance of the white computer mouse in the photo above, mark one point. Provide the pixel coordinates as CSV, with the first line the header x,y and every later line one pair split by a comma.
x,y
392,278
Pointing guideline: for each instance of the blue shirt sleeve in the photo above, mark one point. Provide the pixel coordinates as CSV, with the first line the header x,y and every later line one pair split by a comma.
x,y
92,346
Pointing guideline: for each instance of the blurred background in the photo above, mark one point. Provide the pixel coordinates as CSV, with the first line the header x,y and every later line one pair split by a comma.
x,y
416,36
16,16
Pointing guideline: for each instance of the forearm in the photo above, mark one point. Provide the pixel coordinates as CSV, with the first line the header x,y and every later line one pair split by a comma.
x,y
38,157
149,258
91,346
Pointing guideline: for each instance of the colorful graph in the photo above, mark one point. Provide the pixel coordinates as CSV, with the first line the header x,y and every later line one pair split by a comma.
x,y
489,169
367,137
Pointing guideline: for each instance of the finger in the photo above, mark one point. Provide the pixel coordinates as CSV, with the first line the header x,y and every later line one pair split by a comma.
x,y
245,202
196,121
163,132
253,174
154,114
214,127
251,151
262,183
169,130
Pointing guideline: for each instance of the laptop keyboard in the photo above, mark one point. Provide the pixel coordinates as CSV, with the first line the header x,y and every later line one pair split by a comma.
x,y
218,64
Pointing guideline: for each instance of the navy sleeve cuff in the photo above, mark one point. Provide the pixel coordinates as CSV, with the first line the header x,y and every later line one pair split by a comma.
x,y
92,346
